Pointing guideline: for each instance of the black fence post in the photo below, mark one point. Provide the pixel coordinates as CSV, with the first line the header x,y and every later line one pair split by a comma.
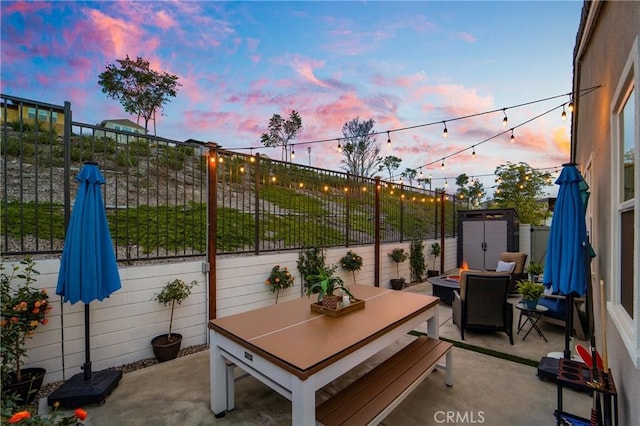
x,y
67,164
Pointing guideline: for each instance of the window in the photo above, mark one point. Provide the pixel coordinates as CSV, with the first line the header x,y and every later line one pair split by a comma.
x,y
625,235
43,115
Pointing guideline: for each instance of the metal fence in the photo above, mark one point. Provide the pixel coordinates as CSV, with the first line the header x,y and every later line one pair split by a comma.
x,y
156,193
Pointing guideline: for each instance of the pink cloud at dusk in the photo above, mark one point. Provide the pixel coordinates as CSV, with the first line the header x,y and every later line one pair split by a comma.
x,y
164,21
305,68
465,37
117,36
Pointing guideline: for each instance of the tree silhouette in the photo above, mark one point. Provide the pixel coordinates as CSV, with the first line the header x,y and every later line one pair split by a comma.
x,y
139,89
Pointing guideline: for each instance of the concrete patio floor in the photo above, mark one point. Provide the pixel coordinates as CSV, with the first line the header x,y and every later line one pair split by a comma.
x,y
487,390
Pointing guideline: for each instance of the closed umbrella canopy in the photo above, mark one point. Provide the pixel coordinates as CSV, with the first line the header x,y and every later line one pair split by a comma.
x,y
568,250
88,269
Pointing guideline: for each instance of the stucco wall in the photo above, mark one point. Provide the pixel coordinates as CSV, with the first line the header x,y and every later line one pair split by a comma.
x,y
601,63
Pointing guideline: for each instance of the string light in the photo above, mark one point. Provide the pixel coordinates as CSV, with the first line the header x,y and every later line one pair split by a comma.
x,y
564,114
339,146
513,138
445,132
442,165
293,153
473,154
421,175
505,120
570,106
388,139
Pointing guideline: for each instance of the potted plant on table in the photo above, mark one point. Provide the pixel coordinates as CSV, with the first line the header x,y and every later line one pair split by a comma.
x,y
311,261
325,284
278,279
531,292
351,262
166,346
435,252
535,270
24,309
398,255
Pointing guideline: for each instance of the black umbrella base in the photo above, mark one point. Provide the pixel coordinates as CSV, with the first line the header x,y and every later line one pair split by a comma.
x,y
78,392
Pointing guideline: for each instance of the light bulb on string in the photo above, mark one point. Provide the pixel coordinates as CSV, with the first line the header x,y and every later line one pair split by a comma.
x,y
339,146
513,138
564,114
473,154
446,183
442,165
505,120
445,132
421,175
388,139
293,153
570,107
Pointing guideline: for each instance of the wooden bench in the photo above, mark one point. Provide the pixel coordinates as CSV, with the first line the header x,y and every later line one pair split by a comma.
x,y
373,396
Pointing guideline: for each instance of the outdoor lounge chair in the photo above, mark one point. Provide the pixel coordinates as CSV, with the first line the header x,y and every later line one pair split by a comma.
x,y
557,313
518,272
482,303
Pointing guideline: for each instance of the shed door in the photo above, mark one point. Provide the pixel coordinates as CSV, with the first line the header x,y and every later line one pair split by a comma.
x,y
472,252
495,233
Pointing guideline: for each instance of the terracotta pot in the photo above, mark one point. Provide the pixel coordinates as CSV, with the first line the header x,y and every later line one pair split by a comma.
x,y
397,283
28,387
330,302
165,349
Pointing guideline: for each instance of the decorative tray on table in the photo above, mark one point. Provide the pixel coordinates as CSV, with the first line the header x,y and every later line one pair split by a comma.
x,y
454,278
340,310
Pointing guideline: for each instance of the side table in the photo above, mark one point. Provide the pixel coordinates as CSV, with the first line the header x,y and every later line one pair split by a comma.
x,y
532,316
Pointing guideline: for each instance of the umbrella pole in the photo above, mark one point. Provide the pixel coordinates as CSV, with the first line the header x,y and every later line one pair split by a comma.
x,y
569,326
87,356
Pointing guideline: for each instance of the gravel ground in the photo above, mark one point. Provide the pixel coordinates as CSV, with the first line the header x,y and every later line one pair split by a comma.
x,y
127,368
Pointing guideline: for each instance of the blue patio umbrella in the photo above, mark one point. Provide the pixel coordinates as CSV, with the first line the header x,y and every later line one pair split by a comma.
x,y
88,272
567,265
88,269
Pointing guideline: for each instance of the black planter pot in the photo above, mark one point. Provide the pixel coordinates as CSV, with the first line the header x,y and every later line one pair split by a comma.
x,y
165,349
432,273
397,283
28,387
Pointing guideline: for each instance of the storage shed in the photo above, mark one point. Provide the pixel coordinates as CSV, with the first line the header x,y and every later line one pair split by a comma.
x,y
484,234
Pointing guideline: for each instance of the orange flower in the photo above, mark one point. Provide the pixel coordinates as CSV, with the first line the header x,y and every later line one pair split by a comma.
x,y
44,321
37,304
33,323
3,322
19,416
267,282
35,310
23,305
44,290
80,414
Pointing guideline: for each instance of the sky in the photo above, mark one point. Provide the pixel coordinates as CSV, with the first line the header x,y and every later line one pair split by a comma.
x,y
413,67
